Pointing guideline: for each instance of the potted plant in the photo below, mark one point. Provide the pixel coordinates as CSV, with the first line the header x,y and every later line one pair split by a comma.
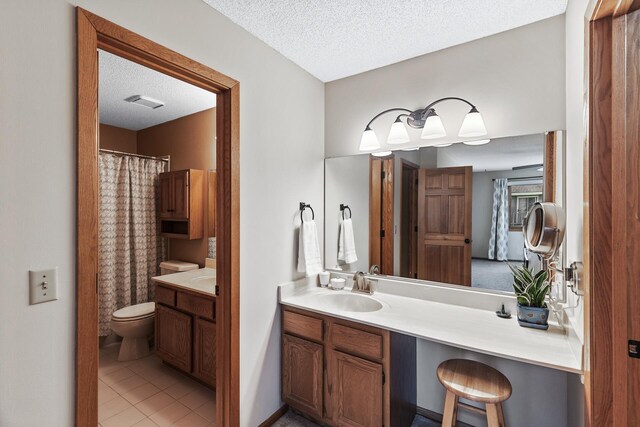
x,y
531,290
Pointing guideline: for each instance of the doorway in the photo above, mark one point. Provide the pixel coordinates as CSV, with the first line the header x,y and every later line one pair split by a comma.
x,y
381,207
612,229
409,220
95,33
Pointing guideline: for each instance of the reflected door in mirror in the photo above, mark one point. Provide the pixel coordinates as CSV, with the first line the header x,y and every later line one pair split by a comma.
x,y
444,225
381,214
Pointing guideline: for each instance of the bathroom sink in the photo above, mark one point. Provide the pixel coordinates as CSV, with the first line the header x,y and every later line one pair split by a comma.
x,y
349,302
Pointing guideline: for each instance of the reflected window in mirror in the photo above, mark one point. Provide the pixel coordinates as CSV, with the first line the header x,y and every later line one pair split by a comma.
x,y
521,199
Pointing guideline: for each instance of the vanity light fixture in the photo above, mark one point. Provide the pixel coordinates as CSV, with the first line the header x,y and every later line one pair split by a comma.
x,y
446,144
425,119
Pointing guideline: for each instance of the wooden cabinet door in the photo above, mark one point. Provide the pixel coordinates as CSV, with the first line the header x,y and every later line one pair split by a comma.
x,y
181,194
166,195
302,373
174,337
357,391
444,225
204,356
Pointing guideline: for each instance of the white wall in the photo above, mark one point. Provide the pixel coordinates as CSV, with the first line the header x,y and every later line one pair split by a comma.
x,y
281,156
482,211
575,137
347,181
515,78
575,23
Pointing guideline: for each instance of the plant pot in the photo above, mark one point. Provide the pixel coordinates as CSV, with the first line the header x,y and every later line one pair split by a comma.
x,y
533,317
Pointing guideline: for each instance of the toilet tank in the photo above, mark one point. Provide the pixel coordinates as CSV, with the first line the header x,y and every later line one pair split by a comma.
x,y
174,266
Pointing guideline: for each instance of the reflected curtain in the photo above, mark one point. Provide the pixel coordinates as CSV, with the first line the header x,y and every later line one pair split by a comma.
x,y
499,237
130,246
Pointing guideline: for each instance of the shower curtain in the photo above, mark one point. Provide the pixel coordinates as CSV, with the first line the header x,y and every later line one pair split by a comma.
x,y
130,246
499,238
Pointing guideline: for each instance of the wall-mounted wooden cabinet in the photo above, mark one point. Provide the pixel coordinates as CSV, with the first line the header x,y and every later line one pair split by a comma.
x,y
181,204
185,332
343,373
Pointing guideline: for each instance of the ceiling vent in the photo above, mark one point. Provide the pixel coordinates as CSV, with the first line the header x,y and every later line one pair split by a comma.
x,y
145,101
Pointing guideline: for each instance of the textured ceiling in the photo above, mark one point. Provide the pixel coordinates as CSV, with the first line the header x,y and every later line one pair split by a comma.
x,y
332,39
120,79
498,155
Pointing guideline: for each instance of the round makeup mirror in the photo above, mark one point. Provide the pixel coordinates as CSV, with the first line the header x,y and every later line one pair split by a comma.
x,y
544,228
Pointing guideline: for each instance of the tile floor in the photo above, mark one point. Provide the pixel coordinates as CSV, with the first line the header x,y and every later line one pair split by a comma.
x,y
145,392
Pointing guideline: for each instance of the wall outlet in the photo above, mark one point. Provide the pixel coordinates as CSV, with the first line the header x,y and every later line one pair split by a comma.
x,y
43,285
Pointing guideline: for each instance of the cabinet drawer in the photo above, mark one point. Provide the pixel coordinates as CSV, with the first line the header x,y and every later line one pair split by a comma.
x,y
165,296
196,305
355,341
302,326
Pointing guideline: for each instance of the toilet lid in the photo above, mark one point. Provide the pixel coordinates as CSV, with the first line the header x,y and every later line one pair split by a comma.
x,y
135,311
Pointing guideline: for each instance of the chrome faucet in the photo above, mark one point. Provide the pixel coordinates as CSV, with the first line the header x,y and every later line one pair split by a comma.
x,y
361,283
375,269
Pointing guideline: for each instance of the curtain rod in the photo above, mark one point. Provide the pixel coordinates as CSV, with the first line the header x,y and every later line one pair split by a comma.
x,y
122,153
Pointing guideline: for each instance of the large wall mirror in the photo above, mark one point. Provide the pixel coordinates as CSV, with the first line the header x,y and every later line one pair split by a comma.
x,y
450,214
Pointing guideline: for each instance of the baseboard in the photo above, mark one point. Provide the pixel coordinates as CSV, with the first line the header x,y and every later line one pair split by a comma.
x,y
434,416
275,416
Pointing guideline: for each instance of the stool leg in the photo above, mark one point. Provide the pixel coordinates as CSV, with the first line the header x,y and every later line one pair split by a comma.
x,y
501,416
450,410
492,415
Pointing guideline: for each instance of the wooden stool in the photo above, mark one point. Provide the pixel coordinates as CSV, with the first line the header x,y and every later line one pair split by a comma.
x,y
477,382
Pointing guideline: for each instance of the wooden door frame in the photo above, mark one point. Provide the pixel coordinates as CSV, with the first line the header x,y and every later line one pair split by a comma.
x,y
381,252
605,347
408,165
94,32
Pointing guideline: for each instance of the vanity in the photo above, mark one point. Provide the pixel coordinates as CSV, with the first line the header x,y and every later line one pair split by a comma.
x,y
350,358
347,373
185,327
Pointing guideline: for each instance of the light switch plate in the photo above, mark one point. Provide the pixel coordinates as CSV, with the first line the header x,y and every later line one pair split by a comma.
x,y
43,285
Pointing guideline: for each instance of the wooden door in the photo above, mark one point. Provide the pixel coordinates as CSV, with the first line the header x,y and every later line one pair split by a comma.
x,y
204,351
173,337
381,230
444,225
166,195
302,373
409,220
357,391
181,194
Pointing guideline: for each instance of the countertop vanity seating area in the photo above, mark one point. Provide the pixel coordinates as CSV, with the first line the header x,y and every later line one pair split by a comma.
x,y
350,358
185,327
435,262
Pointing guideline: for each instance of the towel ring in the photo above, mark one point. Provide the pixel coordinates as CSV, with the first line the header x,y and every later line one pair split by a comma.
x,y
303,206
343,208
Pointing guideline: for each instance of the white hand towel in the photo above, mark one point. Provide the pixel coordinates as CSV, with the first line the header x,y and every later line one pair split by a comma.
x,y
309,259
346,243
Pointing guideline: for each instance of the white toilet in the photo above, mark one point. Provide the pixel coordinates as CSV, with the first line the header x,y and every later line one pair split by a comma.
x,y
135,323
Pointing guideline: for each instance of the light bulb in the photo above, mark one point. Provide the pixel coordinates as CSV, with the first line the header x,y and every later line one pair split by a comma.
x,y
473,125
398,133
433,127
369,140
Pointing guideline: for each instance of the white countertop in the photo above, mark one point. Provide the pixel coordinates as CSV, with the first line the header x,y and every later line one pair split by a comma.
x,y
202,280
475,329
